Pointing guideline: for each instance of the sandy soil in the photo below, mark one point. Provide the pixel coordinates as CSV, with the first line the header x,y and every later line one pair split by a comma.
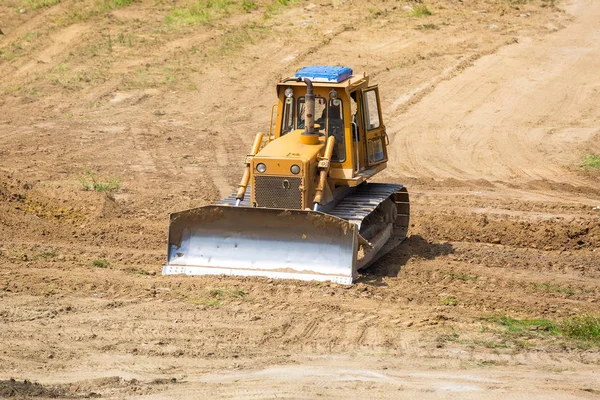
x,y
491,107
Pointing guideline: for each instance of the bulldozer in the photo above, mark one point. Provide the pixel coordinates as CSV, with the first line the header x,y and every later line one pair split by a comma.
x,y
304,208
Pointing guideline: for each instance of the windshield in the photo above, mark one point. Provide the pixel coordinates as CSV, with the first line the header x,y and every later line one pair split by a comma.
x,y
320,111
287,124
335,128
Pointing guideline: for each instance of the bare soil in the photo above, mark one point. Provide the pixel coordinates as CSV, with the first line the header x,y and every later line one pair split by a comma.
x,y
491,107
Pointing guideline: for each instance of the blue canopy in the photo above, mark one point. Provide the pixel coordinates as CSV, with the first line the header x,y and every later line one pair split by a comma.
x,y
325,73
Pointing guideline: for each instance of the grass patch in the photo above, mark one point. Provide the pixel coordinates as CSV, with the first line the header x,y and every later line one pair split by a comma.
x,y
31,36
91,182
35,4
111,4
77,14
157,76
100,263
462,276
446,338
201,12
585,328
450,301
420,11
249,5
238,294
11,52
591,161
548,287
238,37
81,12
64,77
46,254
128,40
521,325
274,7
138,271
214,297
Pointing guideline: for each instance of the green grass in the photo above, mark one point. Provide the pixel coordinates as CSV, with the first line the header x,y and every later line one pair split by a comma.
x,y
146,77
201,12
11,52
275,6
128,40
249,5
214,297
420,11
592,161
91,182
461,276
585,328
35,4
238,37
521,325
100,263
46,254
66,78
111,4
450,301
137,271
30,36
548,287
81,12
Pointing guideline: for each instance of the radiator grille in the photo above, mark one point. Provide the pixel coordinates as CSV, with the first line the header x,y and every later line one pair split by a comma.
x,y
278,192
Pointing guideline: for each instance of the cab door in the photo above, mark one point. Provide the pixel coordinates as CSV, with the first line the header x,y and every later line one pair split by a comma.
x,y
376,137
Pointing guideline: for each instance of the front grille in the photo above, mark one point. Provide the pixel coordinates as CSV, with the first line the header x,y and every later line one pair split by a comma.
x,y
278,192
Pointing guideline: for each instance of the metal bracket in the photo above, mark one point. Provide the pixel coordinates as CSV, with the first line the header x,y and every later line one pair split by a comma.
x,y
324,164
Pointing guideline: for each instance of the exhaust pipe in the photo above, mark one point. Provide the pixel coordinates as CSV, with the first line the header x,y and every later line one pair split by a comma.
x,y
309,136
309,99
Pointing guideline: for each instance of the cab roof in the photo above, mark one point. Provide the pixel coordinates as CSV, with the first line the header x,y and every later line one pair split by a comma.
x,y
329,76
325,73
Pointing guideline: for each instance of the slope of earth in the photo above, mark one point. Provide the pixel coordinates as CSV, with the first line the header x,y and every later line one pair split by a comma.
x,y
520,127
491,106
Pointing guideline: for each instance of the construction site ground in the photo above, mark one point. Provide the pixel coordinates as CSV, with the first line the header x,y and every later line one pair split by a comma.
x,y
491,107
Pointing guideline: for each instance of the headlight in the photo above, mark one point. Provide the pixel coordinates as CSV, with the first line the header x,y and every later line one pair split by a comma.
x,y
295,169
289,92
261,167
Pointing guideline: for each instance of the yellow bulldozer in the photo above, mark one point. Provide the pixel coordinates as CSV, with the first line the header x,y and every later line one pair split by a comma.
x,y
304,208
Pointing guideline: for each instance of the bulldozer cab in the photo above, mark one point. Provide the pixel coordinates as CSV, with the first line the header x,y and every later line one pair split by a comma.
x,y
347,109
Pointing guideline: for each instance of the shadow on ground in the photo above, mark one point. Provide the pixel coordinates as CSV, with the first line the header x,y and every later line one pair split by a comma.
x,y
389,265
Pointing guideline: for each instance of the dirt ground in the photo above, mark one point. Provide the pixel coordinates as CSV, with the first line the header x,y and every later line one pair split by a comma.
x,y
491,106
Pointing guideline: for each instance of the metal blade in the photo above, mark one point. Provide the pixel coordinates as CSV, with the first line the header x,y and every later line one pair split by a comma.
x,y
275,243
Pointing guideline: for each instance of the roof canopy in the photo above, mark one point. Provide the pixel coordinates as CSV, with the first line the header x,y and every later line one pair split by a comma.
x,y
325,73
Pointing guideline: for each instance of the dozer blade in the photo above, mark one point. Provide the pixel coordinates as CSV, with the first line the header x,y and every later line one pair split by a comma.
x,y
275,243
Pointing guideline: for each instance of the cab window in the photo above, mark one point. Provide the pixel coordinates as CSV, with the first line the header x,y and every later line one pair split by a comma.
x,y
287,123
372,110
335,128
